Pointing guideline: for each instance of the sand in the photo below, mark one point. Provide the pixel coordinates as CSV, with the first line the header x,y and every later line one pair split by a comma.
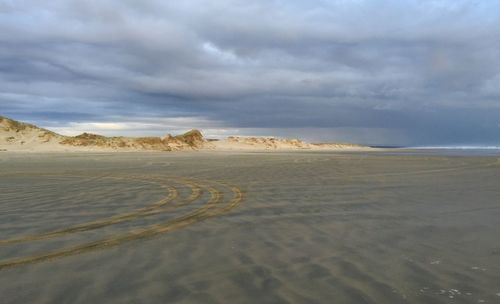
x,y
200,227
18,136
270,144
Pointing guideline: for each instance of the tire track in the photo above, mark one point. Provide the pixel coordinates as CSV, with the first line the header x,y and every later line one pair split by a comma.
x,y
173,193
210,209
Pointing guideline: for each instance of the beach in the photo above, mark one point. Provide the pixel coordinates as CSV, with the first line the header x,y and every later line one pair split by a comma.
x,y
249,227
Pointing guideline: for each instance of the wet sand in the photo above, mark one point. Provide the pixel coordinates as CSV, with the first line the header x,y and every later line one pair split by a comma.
x,y
300,227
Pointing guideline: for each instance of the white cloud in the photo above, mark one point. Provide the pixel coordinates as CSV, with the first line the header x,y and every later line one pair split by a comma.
x,y
139,127
103,65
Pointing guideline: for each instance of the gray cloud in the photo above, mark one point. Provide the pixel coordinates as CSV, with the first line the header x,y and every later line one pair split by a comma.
x,y
391,72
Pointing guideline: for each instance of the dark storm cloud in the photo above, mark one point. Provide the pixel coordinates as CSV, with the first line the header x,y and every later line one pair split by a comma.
x,y
428,71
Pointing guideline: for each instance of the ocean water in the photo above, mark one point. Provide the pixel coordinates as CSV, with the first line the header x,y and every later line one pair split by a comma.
x,y
459,150
381,227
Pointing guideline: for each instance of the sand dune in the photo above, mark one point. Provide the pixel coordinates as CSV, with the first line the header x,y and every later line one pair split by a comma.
x,y
19,136
15,135
271,143
187,141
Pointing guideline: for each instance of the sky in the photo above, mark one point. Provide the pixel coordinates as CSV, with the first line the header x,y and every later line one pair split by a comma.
x,y
392,72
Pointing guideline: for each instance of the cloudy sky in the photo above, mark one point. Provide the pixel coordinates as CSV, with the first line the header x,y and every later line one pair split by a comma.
x,y
374,72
